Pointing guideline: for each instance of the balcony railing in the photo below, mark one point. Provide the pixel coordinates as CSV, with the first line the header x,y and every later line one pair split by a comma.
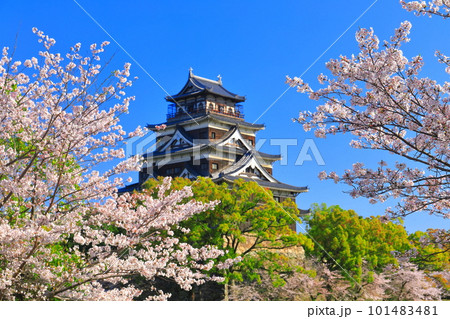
x,y
174,112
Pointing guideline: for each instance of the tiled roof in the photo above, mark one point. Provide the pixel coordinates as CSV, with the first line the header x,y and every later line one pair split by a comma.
x,y
200,117
130,188
270,185
197,84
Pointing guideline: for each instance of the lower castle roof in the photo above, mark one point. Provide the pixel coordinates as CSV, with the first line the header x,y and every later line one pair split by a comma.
x,y
210,116
271,185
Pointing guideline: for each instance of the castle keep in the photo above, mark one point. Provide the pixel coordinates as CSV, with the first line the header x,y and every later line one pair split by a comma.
x,y
206,135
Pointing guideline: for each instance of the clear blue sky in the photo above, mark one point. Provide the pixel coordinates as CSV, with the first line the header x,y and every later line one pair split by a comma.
x,y
253,45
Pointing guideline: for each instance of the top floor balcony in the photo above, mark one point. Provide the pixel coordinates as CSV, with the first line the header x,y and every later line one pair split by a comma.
x,y
175,111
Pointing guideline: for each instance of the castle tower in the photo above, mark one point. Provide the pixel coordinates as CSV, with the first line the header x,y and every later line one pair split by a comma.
x,y
206,135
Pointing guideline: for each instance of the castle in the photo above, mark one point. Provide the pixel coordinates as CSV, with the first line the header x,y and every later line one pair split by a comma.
x,y
206,135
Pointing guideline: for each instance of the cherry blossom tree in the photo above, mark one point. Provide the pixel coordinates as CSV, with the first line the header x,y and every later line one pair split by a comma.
x,y
65,232
406,282
378,97
399,282
435,7
314,281
317,282
299,286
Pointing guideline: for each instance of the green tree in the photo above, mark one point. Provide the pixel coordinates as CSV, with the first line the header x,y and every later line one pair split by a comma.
x,y
344,239
432,249
247,223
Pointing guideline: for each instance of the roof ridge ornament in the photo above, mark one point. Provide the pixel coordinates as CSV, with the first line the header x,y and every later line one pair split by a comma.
x,y
191,74
219,79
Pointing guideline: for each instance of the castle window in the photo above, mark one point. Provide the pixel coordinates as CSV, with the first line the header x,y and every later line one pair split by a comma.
x,y
250,142
204,166
169,171
250,170
213,135
276,198
215,166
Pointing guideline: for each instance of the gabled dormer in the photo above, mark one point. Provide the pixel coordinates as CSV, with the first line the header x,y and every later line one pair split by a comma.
x,y
180,139
249,166
235,139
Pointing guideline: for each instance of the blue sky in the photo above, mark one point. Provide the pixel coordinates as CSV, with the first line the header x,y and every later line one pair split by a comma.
x,y
253,45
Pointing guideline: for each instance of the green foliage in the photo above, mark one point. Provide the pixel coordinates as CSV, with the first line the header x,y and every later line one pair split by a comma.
x,y
247,222
342,237
433,249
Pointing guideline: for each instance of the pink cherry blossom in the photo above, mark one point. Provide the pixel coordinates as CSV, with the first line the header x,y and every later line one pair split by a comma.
x,y
434,7
379,98
65,232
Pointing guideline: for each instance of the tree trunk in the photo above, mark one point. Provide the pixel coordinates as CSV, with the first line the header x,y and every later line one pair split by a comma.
x,y
226,296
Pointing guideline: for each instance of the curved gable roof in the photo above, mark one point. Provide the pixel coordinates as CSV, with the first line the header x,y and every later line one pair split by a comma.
x,y
250,159
180,134
235,134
